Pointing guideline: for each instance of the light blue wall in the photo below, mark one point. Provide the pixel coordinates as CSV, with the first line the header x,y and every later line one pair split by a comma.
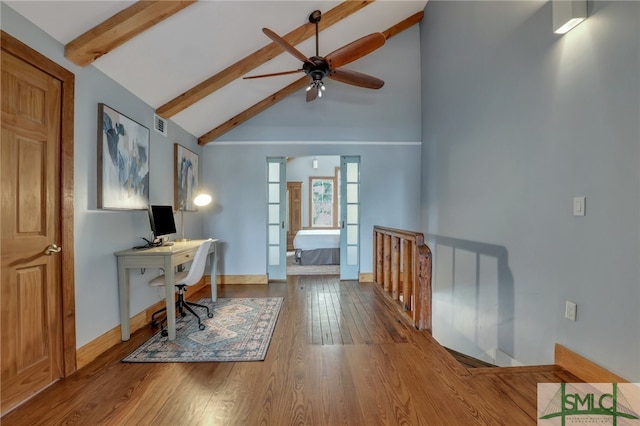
x,y
516,122
236,175
99,233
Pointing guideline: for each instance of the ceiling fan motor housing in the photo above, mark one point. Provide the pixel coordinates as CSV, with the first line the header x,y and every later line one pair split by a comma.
x,y
316,68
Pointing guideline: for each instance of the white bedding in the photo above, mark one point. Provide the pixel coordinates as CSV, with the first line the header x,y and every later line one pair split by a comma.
x,y
310,239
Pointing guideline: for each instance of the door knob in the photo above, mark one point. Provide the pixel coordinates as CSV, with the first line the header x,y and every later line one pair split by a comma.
x,y
52,249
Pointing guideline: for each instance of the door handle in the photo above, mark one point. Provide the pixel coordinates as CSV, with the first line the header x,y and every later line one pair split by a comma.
x,y
282,224
52,249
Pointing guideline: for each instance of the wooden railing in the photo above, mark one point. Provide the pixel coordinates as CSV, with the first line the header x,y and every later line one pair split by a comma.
x,y
402,269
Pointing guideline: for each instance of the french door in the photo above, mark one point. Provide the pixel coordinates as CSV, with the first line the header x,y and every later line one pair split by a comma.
x,y
276,218
349,217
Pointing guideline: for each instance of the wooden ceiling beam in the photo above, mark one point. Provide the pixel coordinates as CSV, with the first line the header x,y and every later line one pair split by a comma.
x,y
403,25
253,111
120,28
257,58
290,89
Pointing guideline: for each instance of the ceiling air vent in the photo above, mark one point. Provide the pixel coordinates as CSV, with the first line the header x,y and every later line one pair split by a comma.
x,y
160,124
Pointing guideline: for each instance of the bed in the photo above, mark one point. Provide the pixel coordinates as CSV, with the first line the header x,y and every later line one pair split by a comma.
x,y
317,246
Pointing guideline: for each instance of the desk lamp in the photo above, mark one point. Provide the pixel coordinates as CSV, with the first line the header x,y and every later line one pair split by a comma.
x,y
201,199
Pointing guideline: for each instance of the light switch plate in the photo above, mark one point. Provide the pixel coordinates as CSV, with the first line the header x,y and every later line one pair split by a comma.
x,y
570,309
579,206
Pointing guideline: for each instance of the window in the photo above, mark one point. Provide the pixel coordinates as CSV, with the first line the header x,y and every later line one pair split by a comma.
x,y
323,202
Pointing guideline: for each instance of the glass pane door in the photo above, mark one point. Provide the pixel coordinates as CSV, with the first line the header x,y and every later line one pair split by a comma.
x,y
349,217
276,217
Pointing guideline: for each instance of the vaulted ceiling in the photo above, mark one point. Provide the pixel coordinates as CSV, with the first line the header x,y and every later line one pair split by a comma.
x,y
187,58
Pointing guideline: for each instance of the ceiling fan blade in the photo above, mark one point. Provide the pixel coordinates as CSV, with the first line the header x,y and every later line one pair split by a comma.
x,y
285,45
272,74
356,79
312,94
355,50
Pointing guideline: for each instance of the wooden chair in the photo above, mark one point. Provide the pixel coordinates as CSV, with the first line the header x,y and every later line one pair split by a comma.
x,y
183,279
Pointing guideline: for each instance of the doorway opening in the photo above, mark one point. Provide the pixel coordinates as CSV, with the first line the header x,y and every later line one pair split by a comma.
x,y
313,215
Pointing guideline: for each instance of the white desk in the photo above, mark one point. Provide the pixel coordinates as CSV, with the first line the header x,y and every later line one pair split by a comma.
x,y
166,257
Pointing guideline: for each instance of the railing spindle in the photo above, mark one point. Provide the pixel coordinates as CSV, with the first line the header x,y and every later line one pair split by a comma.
x,y
406,276
379,250
395,268
387,263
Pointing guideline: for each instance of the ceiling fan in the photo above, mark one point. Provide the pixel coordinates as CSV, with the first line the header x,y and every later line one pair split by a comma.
x,y
317,67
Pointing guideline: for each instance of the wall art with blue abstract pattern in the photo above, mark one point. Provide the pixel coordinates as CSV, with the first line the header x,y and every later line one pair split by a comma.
x,y
123,161
186,178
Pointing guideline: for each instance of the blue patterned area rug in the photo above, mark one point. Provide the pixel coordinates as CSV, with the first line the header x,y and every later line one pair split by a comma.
x,y
240,330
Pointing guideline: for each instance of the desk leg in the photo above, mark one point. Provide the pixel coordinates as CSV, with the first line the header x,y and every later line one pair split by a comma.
x,y
213,273
170,292
123,295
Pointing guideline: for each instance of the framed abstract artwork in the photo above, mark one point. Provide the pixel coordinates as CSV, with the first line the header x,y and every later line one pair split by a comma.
x,y
123,161
186,178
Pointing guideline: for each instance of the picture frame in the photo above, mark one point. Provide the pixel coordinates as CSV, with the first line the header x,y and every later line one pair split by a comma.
x,y
123,161
186,163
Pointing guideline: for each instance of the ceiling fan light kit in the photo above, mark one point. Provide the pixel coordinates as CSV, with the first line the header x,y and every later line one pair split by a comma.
x,y
318,67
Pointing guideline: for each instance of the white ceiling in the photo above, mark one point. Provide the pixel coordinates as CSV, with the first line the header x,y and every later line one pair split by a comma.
x,y
207,37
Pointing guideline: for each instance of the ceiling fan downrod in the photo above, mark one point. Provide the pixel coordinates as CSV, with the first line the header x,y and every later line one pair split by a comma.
x,y
314,18
321,69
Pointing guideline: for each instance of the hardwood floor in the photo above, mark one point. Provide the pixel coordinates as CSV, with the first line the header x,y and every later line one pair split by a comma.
x,y
469,362
339,356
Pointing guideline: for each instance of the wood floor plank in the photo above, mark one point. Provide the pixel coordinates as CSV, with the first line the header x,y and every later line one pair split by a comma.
x,y
350,322
321,308
251,386
394,405
360,325
219,394
325,323
285,390
338,356
334,312
334,397
343,318
523,404
142,406
426,403
189,395
376,331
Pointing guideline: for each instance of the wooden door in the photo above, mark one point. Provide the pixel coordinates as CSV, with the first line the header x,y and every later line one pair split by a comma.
x,y
31,290
294,198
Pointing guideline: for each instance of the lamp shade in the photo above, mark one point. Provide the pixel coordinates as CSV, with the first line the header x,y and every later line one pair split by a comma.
x,y
202,199
567,14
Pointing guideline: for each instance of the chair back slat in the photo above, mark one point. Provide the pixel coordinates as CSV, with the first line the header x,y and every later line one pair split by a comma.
x,y
197,266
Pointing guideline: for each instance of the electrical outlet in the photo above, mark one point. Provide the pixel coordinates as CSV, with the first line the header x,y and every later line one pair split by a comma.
x,y
570,309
